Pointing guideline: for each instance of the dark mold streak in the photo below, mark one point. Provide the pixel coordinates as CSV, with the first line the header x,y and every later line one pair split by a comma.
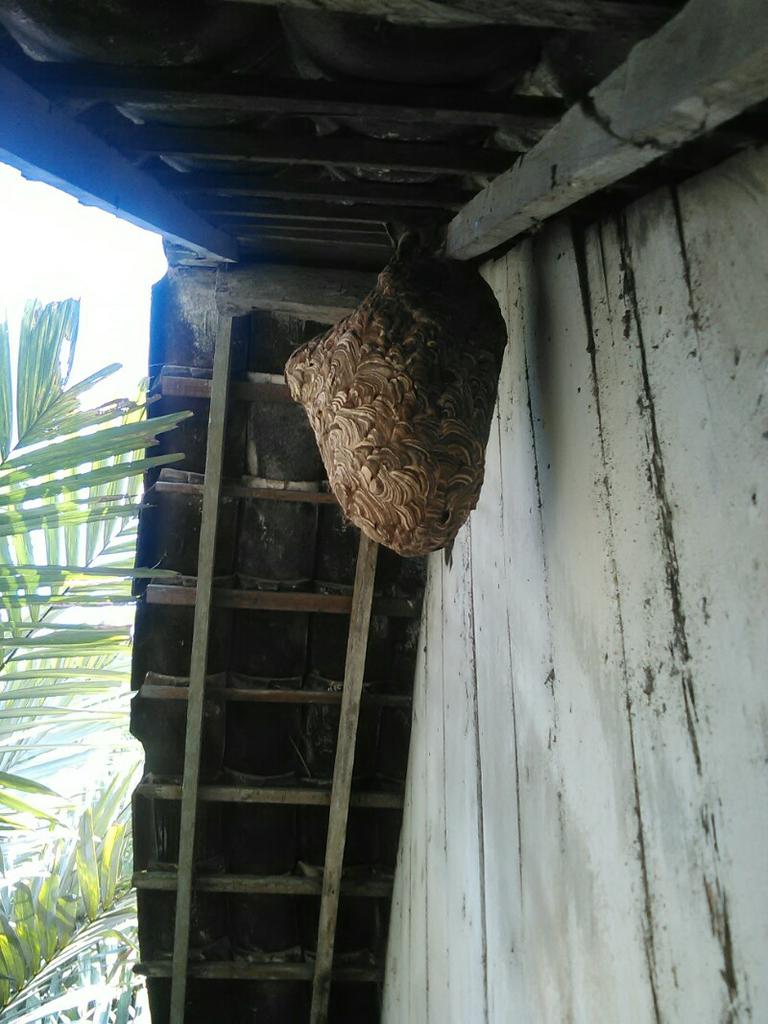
x,y
648,929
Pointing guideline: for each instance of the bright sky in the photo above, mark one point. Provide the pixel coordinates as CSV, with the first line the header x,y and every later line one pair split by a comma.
x,y
52,247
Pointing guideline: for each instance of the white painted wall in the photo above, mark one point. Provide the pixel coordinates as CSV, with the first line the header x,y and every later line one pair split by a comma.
x,y
587,811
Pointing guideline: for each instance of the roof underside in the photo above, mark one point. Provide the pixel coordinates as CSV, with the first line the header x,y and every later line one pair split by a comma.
x,y
296,132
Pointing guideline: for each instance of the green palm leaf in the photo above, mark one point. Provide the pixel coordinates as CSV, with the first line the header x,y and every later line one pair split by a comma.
x,y
70,485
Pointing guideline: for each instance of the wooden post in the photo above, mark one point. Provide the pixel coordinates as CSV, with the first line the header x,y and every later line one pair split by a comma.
x,y
357,646
199,657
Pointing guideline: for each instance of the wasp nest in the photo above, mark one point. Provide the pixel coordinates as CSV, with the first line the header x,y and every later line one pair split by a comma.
x,y
400,395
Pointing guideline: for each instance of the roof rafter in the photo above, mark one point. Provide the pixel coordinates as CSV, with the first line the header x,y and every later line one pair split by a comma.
x,y
703,67
46,144
578,15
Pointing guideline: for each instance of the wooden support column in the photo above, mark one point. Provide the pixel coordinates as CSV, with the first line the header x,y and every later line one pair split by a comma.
x,y
199,657
357,646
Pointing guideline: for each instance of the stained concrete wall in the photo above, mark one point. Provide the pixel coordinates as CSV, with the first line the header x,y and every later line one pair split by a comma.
x,y
587,799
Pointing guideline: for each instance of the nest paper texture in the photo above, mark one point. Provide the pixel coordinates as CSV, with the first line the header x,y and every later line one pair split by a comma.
x,y
400,395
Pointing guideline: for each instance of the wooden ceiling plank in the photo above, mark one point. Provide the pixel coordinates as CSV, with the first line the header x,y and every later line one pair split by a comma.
x,y
706,65
574,15
185,89
346,194
286,224
327,238
43,142
225,207
256,147
341,789
198,662
310,293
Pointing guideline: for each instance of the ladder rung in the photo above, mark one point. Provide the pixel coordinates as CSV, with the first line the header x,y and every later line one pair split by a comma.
x,y
244,970
233,490
281,601
271,885
293,795
332,697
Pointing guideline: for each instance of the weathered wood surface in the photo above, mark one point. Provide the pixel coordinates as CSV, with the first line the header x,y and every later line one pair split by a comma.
x,y
186,89
311,293
244,970
281,601
341,789
168,691
706,65
46,144
290,795
579,15
255,147
271,885
593,663
338,192
214,459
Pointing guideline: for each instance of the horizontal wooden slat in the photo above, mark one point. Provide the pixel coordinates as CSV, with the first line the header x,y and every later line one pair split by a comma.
x,y
323,151
227,208
293,795
249,233
330,697
186,89
576,15
233,490
338,192
243,970
311,293
705,66
281,601
270,885
240,390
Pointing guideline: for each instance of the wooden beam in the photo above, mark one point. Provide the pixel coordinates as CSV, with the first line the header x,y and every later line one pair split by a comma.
x,y
243,970
332,698
186,89
276,209
259,227
280,209
281,601
249,492
309,293
354,670
267,885
170,384
198,661
200,183
294,796
46,144
256,147
703,67
249,234
576,15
